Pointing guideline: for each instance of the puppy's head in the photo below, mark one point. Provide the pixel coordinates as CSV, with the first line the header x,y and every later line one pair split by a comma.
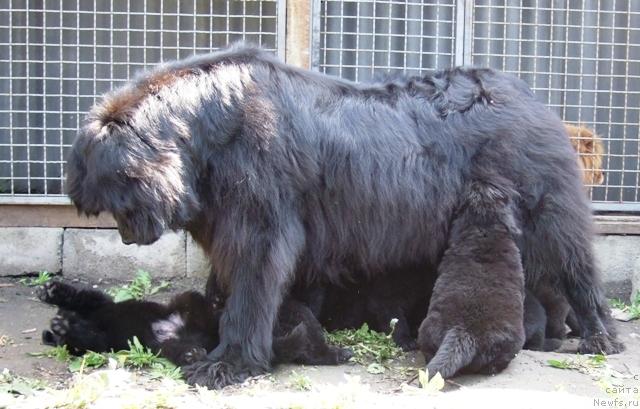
x,y
118,165
590,153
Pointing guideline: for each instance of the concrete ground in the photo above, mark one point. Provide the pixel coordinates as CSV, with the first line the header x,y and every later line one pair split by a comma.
x,y
529,381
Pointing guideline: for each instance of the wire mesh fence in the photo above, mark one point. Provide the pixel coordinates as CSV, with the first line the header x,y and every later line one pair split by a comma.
x,y
580,57
360,38
57,57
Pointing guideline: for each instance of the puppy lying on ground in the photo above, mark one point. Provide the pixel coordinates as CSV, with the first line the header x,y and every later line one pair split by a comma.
x,y
183,331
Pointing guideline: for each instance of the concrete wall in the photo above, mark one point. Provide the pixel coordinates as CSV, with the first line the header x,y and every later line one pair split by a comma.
x,y
99,253
96,254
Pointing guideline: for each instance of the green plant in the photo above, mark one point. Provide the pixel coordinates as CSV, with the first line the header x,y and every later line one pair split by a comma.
x,y
632,308
59,353
366,345
139,288
299,381
137,357
42,278
586,364
88,360
18,385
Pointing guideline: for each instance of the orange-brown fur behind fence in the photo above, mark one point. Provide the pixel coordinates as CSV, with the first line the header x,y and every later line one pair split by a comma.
x,y
590,151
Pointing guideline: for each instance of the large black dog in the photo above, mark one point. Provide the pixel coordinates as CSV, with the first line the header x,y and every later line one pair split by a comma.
x,y
281,173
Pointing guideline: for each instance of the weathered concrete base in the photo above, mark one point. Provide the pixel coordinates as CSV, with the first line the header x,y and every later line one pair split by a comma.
x,y
197,263
100,253
30,250
619,260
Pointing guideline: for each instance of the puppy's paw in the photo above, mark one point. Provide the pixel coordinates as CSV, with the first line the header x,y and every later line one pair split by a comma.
x,y
407,345
215,374
344,355
60,325
194,354
55,292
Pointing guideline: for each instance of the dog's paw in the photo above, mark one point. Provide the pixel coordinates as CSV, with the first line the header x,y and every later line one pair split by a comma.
x,y
195,354
344,355
215,374
600,344
54,292
407,344
60,325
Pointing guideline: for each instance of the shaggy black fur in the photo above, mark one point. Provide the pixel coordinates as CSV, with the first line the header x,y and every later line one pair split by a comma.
x,y
182,331
281,173
535,326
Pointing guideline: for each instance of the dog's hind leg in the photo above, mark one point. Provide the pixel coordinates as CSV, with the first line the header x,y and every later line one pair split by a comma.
x,y
78,334
558,242
71,298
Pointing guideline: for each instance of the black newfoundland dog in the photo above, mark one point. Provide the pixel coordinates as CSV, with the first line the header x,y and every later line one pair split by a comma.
x,y
281,174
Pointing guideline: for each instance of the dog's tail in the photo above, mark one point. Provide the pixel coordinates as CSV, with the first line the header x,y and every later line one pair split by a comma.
x,y
456,351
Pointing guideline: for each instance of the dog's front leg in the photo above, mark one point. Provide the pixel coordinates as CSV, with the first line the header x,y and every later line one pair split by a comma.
x,y
258,279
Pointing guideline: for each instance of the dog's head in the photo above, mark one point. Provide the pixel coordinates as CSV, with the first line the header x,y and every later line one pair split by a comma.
x,y
119,167
590,152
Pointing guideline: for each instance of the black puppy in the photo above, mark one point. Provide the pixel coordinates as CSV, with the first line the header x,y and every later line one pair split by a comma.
x,y
181,331
475,318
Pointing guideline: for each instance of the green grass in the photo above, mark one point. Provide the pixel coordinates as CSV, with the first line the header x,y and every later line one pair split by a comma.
x,y
137,357
42,278
632,308
59,353
300,381
585,364
367,345
140,288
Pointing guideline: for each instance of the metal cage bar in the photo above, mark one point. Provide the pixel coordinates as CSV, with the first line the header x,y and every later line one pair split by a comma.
x,y
57,57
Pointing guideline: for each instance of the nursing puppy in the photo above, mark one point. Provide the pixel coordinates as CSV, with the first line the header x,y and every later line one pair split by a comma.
x,y
285,175
475,318
182,331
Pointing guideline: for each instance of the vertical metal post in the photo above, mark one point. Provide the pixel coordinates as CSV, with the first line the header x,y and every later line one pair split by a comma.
x,y
281,30
464,32
314,26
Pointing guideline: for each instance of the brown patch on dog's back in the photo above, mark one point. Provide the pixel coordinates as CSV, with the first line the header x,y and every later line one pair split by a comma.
x,y
118,106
